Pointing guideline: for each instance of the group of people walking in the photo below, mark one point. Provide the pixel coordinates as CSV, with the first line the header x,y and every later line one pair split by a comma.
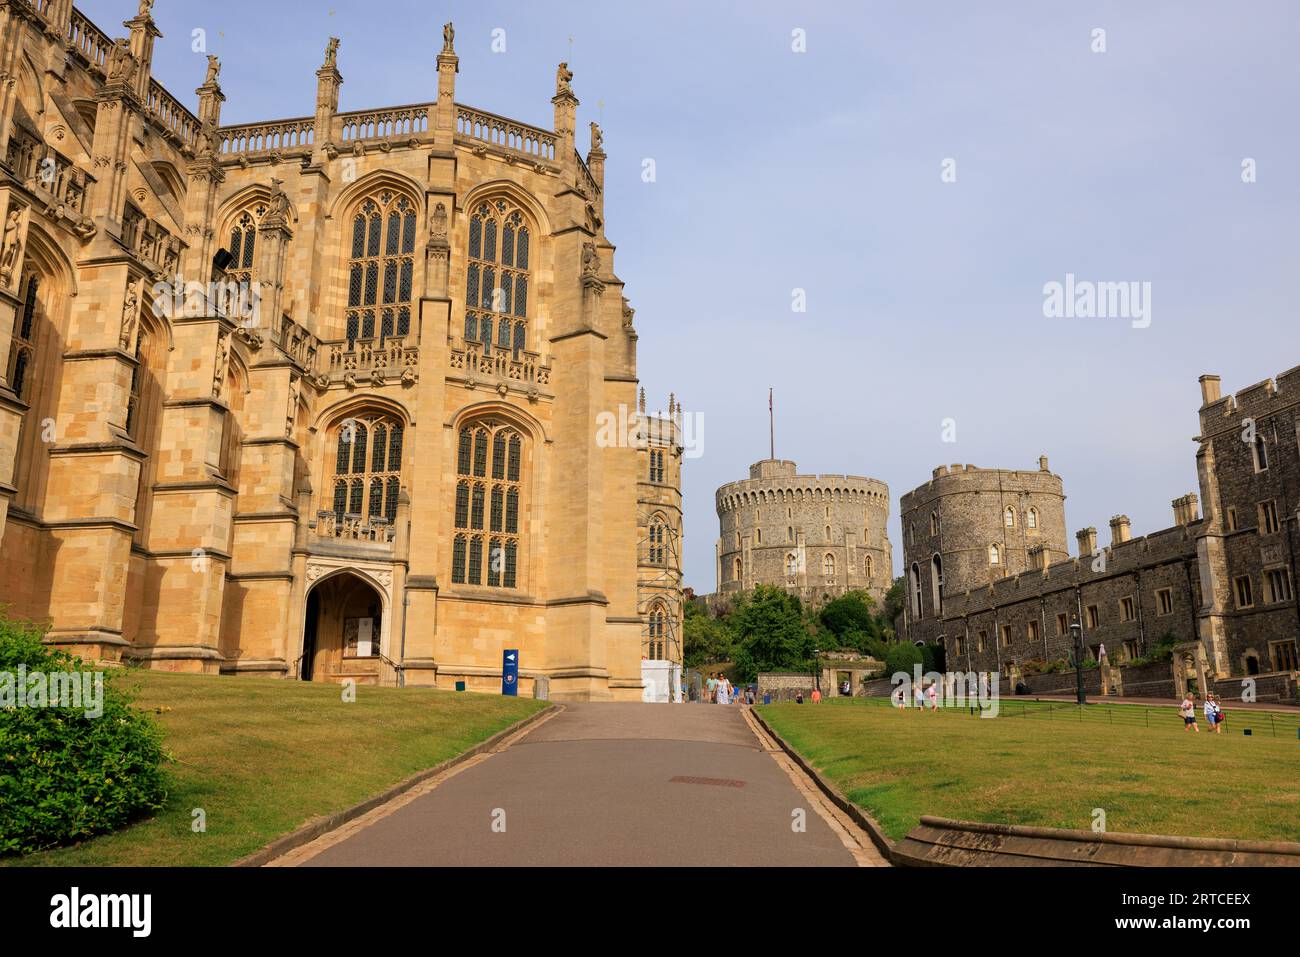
x,y
718,689
924,693
1212,710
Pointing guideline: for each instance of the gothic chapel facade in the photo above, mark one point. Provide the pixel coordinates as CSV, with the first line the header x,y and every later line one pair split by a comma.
x,y
387,469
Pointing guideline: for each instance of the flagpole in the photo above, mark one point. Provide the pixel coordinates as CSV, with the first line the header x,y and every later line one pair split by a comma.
x,y
771,424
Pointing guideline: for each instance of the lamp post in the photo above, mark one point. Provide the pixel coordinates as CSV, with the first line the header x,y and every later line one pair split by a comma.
x,y
1076,632
817,671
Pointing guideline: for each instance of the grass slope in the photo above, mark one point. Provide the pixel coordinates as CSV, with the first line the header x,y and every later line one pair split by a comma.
x,y
261,757
1050,772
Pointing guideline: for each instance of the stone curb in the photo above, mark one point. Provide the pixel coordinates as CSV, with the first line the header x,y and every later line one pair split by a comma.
x,y
859,816
318,826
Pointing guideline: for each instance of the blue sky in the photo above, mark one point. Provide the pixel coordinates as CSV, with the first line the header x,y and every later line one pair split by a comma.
x,y
820,171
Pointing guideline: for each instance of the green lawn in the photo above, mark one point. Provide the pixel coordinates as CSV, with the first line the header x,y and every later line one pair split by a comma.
x,y
1052,771
261,757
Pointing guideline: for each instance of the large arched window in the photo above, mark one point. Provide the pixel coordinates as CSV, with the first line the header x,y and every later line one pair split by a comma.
x,y
1031,518
22,348
488,507
791,565
1009,517
828,565
381,268
243,246
995,554
915,574
936,583
657,633
367,468
658,550
496,281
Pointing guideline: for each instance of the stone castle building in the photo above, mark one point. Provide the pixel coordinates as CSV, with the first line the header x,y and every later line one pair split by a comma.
x,y
989,577
816,536
316,397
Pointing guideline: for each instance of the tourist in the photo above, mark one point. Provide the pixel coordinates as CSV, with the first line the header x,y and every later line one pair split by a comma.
x,y
920,695
1212,712
817,696
1188,712
933,695
711,687
724,690
798,696
900,698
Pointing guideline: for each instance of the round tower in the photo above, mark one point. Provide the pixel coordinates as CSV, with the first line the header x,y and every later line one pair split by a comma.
x,y
817,536
968,526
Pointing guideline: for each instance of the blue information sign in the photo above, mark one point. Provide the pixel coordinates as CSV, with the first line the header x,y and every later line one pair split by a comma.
x,y
510,672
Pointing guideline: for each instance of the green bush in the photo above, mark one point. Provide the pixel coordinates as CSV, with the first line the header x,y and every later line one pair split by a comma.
x,y
65,776
903,657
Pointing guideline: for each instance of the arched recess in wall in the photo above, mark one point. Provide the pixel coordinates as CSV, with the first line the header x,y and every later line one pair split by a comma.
x,y
35,368
143,419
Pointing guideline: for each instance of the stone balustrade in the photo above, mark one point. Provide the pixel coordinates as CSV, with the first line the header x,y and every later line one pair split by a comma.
x,y
371,361
257,138
472,124
501,364
351,527
392,123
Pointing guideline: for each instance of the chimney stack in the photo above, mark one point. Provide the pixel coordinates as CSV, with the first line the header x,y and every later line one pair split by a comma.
x,y
1087,538
1186,509
1209,389
1119,530
1042,464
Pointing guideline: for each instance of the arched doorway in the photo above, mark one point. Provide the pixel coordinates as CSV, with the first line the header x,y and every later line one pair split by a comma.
x,y
342,630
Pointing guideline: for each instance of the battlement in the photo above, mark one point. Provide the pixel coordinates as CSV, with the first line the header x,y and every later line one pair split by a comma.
x,y
956,478
1260,399
778,480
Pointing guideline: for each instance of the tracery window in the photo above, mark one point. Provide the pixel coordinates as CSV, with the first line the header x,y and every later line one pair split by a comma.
x,y
995,555
791,565
381,268
22,349
656,465
1031,518
658,541
367,468
1009,517
497,276
243,246
828,565
487,508
656,643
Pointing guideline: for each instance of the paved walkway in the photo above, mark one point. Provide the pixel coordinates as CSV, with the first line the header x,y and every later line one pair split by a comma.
x,y
609,785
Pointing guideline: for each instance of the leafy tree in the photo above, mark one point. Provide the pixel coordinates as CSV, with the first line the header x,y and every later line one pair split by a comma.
x,y
772,633
903,657
705,639
854,611
893,604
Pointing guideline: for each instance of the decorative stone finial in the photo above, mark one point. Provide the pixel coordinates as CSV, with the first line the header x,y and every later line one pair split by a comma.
x,y
332,52
597,138
448,38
